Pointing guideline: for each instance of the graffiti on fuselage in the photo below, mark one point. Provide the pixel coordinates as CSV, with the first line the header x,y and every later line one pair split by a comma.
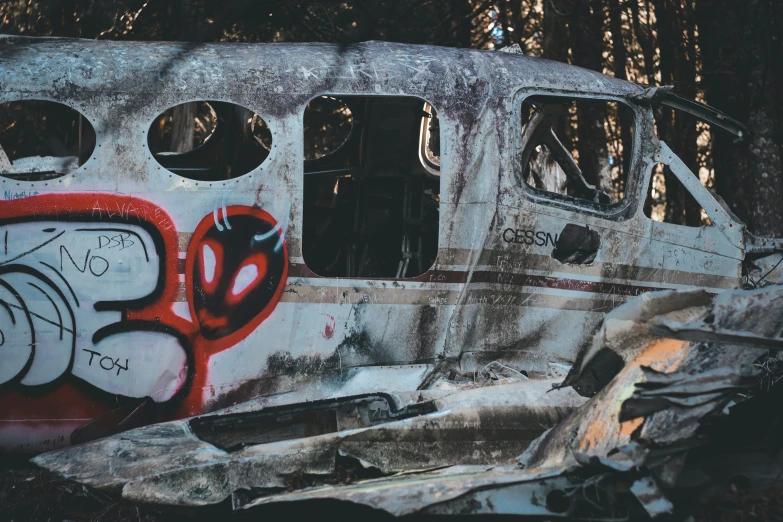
x,y
87,284
235,274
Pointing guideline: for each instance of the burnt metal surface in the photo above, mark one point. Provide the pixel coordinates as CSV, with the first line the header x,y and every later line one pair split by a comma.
x,y
233,431
495,294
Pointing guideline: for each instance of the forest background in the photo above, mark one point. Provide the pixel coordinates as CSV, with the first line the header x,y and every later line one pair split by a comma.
x,y
727,53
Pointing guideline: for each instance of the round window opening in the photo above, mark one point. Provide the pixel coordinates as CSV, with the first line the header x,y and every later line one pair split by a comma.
x,y
42,140
209,140
327,126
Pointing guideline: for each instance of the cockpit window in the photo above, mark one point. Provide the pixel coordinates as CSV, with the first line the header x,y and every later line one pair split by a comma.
x,y
577,148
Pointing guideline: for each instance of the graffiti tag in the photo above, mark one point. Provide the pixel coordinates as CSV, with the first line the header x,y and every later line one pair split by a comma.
x,y
108,366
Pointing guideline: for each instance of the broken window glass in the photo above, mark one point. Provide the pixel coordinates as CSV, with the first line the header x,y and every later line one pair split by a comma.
x,y
370,203
209,140
41,140
576,147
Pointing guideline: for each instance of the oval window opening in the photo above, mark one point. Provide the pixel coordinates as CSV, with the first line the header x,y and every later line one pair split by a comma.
x,y
41,140
327,126
209,140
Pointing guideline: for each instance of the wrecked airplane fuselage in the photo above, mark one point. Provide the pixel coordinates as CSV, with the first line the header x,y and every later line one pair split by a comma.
x,y
449,232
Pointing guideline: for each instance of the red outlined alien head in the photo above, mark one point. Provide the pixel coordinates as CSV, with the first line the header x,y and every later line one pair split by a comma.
x,y
235,273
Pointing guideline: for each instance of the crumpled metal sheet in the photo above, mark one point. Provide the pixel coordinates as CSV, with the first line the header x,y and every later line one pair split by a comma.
x,y
500,490
651,497
169,464
662,391
625,334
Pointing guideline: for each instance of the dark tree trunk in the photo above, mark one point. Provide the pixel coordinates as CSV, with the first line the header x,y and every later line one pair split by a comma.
x,y
669,41
619,54
676,36
742,66
586,36
645,39
462,18
369,16
619,57
685,145
555,38
555,47
502,22
63,23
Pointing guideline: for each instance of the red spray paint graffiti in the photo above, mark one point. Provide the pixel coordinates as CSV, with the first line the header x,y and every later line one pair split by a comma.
x,y
235,274
107,268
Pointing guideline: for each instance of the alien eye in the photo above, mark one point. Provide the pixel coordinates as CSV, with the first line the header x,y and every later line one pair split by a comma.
x,y
247,277
211,263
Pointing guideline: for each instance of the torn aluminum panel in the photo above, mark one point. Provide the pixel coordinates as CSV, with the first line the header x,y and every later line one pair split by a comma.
x,y
458,489
577,245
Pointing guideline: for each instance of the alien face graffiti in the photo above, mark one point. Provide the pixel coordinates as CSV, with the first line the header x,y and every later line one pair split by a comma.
x,y
236,272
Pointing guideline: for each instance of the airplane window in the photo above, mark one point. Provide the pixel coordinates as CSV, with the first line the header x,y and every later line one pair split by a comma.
x,y
209,140
576,147
370,203
41,140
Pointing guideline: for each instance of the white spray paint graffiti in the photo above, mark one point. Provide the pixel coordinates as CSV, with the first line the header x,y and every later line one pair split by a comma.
x,y
63,289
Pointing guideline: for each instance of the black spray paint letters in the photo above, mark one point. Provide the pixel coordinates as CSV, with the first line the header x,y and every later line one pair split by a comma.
x,y
122,240
106,362
529,237
97,265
